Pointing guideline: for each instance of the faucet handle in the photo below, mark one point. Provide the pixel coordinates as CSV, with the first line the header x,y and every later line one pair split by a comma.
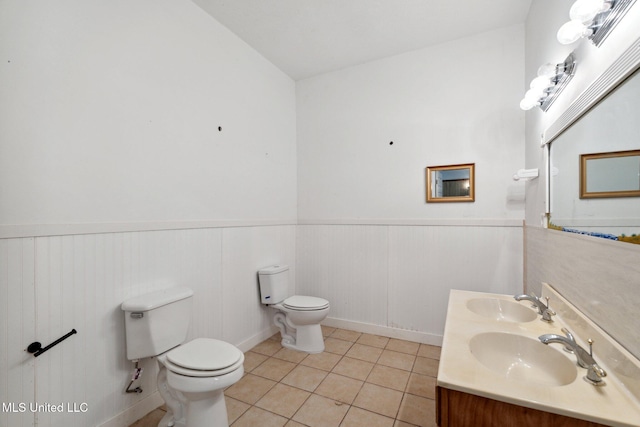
x,y
595,374
590,341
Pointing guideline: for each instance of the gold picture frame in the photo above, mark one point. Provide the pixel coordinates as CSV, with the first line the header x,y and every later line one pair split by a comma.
x,y
451,183
612,174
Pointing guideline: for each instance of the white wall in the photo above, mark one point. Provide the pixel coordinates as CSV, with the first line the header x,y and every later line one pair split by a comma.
x,y
110,114
600,279
442,105
109,120
367,239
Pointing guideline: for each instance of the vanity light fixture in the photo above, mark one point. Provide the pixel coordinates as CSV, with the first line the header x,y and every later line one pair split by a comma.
x,y
592,19
544,89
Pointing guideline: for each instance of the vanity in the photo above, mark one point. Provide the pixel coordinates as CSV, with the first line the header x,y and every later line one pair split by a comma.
x,y
494,370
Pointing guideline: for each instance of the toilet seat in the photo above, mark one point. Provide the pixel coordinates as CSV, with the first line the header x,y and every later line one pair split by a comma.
x,y
204,357
305,303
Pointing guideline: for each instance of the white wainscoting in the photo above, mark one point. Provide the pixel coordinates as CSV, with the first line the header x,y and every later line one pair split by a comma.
x,y
50,285
396,278
387,279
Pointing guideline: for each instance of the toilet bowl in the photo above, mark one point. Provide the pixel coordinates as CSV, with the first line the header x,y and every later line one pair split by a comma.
x,y
298,317
192,376
192,380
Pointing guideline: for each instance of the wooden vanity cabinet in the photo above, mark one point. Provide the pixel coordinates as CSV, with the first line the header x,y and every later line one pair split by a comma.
x,y
458,409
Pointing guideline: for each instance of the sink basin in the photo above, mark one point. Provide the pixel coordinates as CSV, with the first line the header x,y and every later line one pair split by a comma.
x,y
501,310
523,359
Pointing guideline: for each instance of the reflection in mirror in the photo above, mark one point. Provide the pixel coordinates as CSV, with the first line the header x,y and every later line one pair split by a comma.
x,y
611,126
614,174
453,183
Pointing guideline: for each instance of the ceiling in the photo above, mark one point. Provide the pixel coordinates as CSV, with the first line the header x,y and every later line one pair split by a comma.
x,y
308,37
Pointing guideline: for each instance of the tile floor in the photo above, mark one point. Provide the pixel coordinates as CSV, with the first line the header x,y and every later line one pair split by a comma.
x,y
359,380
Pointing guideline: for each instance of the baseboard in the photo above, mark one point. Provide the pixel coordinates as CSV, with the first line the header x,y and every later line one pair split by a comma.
x,y
384,331
135,412
247,345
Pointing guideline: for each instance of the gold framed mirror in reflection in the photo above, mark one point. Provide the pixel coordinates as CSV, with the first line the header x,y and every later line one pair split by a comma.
x,y
613,174
451,183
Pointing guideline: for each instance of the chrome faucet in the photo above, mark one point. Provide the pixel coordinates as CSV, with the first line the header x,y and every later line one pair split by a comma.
x,y
543,309
585,358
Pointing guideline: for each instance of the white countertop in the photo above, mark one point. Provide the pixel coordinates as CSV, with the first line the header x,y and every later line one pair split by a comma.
x,y
612,404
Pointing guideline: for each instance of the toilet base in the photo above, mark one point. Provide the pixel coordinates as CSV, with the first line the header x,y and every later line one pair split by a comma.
x,y
306,338
195,404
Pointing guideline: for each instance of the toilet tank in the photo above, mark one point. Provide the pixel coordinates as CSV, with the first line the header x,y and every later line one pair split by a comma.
x,y
274,284
157,321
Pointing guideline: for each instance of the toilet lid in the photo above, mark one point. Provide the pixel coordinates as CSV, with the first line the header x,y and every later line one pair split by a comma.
x,y
302,302
205,354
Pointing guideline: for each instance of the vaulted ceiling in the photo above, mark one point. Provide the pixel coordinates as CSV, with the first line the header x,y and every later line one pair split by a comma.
x,y
309,37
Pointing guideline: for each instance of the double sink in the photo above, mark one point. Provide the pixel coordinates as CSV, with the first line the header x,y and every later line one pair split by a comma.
x,y
491,349
517,357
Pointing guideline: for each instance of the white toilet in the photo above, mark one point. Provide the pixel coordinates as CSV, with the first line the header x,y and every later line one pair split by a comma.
x,y
298,317
192,376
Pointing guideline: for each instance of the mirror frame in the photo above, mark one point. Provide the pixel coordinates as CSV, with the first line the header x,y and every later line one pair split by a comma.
x,y
585,194
472,183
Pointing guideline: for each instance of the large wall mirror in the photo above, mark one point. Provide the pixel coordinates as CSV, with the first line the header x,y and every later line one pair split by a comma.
x,y
595,168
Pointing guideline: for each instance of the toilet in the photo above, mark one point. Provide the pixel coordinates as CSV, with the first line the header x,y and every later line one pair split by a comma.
x,y
298,317
192,376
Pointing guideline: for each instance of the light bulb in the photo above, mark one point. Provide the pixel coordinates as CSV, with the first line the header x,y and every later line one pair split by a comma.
x,y
586,10
540,83
528,104
572,31
548,70
531,99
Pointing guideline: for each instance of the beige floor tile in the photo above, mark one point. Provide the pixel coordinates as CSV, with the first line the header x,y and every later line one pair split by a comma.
x,y
353,368
268,347
381,400
292,423
403,346
150,420
325,361
338,387
336,346
250,388
343,334
319,411
253,360
422,385
399,423
290,355
357,417
235,408
430,351
373,390
305,378
327,330
364,352
397,360
259,417
426,366
274,369
283,400
373,340
386,376
418,411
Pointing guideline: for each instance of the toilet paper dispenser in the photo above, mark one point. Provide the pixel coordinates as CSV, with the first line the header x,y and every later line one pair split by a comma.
x,y
36,348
